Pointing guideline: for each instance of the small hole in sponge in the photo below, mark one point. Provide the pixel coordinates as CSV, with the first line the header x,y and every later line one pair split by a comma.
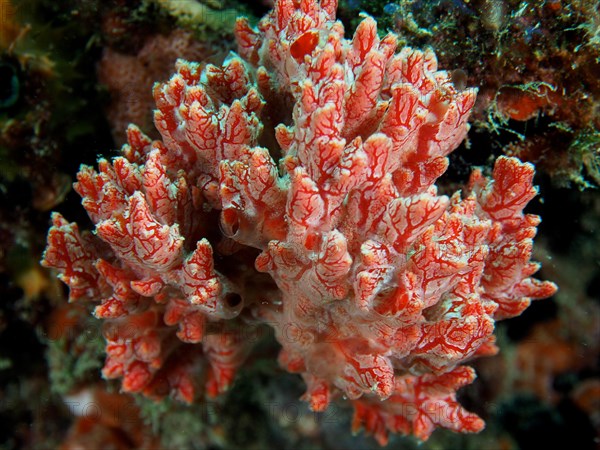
x,y
230,222
232,299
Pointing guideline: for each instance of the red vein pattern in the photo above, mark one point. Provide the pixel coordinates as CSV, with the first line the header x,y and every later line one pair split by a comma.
x,y
295,186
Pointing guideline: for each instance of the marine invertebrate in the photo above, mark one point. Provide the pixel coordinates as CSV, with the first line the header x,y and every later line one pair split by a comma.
x,y
129,78
295,186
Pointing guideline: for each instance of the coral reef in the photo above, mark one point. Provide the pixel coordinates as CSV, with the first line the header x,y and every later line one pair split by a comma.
x,y
539,391
129,78
294,186
535,64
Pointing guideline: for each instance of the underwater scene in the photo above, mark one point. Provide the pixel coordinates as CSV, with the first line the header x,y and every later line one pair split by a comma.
x,y
299,224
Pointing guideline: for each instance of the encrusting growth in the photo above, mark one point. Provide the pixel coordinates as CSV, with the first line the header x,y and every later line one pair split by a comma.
x,y
294,186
